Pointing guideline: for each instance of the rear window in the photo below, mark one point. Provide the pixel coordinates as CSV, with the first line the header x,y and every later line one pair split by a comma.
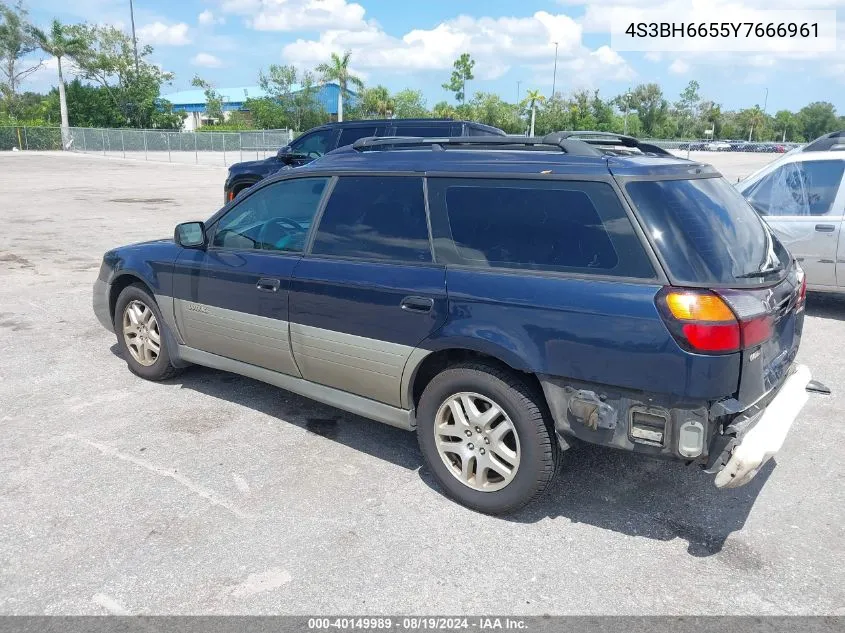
x,y
562,226
706,232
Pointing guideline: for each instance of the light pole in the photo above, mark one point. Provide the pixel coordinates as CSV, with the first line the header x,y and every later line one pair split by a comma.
x,y
554,73
517,92
134,39
625,125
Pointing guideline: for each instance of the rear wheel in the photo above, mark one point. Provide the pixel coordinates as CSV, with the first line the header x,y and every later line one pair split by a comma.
x,y
486,437
139,326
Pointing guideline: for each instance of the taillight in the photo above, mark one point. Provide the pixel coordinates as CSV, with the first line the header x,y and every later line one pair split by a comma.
x,y
702,321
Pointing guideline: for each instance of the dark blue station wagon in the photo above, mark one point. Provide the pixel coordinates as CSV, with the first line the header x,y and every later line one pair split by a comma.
x,y
503,297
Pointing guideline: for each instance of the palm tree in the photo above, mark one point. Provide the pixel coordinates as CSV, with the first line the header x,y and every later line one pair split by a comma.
x,y
62,41
532,98
377,101
338,70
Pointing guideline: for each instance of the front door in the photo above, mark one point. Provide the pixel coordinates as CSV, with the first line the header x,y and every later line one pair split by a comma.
x,y
803,203
232,298
368,293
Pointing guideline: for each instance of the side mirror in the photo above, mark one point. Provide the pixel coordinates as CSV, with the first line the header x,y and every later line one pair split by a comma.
x,y
285,155
190,235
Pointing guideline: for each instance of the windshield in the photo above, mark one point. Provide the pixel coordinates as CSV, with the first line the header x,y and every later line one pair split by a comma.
x,y
707,233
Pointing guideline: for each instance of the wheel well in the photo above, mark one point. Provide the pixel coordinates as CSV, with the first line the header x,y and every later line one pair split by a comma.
x,y
118,285
436,362
243,185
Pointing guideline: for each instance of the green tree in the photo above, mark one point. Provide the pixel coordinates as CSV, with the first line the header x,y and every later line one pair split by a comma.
x,y
651,107
461,74
377,103
110,62
686,108
16,44
409,104
580,113
337,70
490,109
787,126
532,98
818,118
213,99
61,41
553,117
443,110
603,115
295,95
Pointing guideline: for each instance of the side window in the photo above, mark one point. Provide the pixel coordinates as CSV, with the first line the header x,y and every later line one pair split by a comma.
x,y
552,226
314,145
374,217
800,188
351,134
274,218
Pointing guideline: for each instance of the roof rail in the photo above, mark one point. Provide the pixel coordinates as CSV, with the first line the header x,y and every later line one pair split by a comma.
x,y
602,138
828,142
575,147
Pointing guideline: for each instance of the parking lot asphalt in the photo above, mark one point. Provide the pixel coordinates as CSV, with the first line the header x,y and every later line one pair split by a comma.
x,y
212,493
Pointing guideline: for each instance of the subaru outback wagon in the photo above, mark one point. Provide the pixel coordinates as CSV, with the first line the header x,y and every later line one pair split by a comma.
x,y
501,297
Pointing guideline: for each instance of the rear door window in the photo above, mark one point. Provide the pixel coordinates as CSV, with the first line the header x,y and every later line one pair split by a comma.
x,y
706,233
423,130
376,218
351,134
801,188
563,226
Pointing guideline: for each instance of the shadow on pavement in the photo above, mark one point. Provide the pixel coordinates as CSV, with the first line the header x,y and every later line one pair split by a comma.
x,y
612,490
826,305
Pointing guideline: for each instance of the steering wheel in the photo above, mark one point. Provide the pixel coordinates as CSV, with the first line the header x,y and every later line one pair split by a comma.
x,y
291,228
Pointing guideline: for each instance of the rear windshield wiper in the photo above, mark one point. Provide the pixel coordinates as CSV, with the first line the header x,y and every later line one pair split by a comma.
x,y
760,273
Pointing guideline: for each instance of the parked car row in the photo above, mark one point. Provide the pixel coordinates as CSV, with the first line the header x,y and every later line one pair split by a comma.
x,y
736,146
503,297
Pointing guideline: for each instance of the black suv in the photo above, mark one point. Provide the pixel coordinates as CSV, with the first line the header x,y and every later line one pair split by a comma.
x,y
321,140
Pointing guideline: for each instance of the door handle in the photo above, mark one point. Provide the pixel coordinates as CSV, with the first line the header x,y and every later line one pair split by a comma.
x,y
417,304
825,228
268,285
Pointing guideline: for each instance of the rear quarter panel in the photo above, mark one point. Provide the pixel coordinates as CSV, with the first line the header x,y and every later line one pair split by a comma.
x,y
606,332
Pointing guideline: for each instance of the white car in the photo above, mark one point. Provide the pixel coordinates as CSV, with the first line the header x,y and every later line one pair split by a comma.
x,y
718,146
801,197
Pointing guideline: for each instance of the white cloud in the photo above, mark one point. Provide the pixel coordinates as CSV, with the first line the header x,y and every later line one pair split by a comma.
x,y
207,18
206,60
297,15
496,44
679,67
159,33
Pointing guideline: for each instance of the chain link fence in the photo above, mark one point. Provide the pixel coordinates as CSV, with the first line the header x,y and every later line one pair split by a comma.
x,y
225,148
206,148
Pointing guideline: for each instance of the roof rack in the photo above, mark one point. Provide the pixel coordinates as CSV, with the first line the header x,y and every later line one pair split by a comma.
x,y
835,141
575,147
603,138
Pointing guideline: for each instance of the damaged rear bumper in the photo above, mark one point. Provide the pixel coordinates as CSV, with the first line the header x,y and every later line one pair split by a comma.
x,y
764,431
733,446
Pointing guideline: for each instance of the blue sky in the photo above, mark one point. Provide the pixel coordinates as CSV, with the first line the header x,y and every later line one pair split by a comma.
x,y
404,43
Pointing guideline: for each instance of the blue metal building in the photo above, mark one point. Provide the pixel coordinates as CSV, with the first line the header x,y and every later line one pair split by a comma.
x,y
234,99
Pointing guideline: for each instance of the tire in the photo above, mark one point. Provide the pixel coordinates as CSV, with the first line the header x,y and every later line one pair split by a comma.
x,y
159,365
532,436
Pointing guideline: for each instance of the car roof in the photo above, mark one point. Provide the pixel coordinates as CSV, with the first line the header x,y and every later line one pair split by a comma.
x,y
368,122
498,161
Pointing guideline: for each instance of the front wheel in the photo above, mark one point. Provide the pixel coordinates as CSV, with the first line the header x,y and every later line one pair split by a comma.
x,y
485,435
139,326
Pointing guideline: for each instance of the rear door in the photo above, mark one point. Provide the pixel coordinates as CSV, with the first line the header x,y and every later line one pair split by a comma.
x,y
803,202
232,298
368,292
